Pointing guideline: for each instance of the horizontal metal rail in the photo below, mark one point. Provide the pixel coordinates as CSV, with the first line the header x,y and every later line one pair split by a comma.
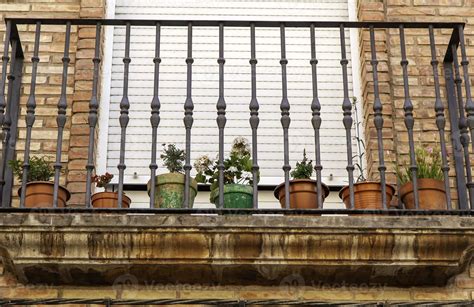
x,y
240,211
237,23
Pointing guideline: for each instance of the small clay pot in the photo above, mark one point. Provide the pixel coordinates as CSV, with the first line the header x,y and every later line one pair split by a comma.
x,y
303,194
367,195
109,200
431,193
236,196
39,194
169,190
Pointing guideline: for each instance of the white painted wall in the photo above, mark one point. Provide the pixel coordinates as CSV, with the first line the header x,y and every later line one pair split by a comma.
x,y
237,85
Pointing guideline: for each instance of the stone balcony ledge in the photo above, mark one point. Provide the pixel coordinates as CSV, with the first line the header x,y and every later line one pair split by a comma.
x,y
99,248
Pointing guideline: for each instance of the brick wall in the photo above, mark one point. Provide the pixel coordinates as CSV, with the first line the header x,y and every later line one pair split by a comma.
x,y
420,74
49,83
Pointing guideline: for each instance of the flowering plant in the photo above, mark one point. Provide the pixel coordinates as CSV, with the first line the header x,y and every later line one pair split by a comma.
x,y
237,167
428,161
101,181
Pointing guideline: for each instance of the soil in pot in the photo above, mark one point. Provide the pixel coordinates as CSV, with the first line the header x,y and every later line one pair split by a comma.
x,y
303,194
431,193
367,195
109,200
39,194
169,190
236,196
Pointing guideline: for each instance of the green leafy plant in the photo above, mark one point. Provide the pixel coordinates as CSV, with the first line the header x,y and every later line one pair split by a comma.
x,y
173,158
360,144
237,167
40,169
101,181
429,165
303,169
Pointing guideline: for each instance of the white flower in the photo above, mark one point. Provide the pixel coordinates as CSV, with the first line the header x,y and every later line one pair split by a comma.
x,y
233,169
246,174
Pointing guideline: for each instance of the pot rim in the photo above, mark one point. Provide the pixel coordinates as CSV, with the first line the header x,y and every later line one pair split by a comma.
x,y
366,182
108,192
292,181
68,194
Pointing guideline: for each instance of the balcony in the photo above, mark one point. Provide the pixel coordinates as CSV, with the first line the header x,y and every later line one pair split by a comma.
x,y
386,243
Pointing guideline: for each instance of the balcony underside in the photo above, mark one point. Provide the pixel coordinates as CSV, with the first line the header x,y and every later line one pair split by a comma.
x,y
87,248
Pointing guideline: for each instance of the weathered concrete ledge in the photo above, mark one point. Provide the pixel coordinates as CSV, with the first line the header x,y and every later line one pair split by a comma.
x,y
246,250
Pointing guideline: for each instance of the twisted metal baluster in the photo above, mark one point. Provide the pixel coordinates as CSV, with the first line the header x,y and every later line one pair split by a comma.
x,y
378,118
93,108
347,119
30,114
463,125
221,120
3,103
254,120
409,120
440,120
155,115
316,119
124,118
61,118
285,116
188,117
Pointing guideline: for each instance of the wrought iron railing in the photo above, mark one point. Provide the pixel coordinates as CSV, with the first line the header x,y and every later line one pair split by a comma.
x,y
461,111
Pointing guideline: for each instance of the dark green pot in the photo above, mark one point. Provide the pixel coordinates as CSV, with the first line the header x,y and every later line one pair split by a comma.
x,y
169,191
235,196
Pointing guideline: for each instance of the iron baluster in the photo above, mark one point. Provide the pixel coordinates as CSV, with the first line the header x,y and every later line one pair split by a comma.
x,y
30,114
61,118
93,108
188,117
316,119
124,118
378,118
285,116
409,120
254,120
440,119
155,115
347,119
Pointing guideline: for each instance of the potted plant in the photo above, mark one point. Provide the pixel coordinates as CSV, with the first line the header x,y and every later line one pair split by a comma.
x,y
367,194
238,192
107,199
431,190
303,190
39,188
169,187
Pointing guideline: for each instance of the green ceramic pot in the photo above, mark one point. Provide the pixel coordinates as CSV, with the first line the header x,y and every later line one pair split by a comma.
x,y
169,191
235,196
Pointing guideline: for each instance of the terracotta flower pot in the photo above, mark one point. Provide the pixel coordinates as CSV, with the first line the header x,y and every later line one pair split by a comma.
x,y
431,192
109,200
367,195
39,194
303,194
235,196
169,190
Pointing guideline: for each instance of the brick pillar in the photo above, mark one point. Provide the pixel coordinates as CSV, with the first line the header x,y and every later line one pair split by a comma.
x,y
49,76
77,156
420,74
